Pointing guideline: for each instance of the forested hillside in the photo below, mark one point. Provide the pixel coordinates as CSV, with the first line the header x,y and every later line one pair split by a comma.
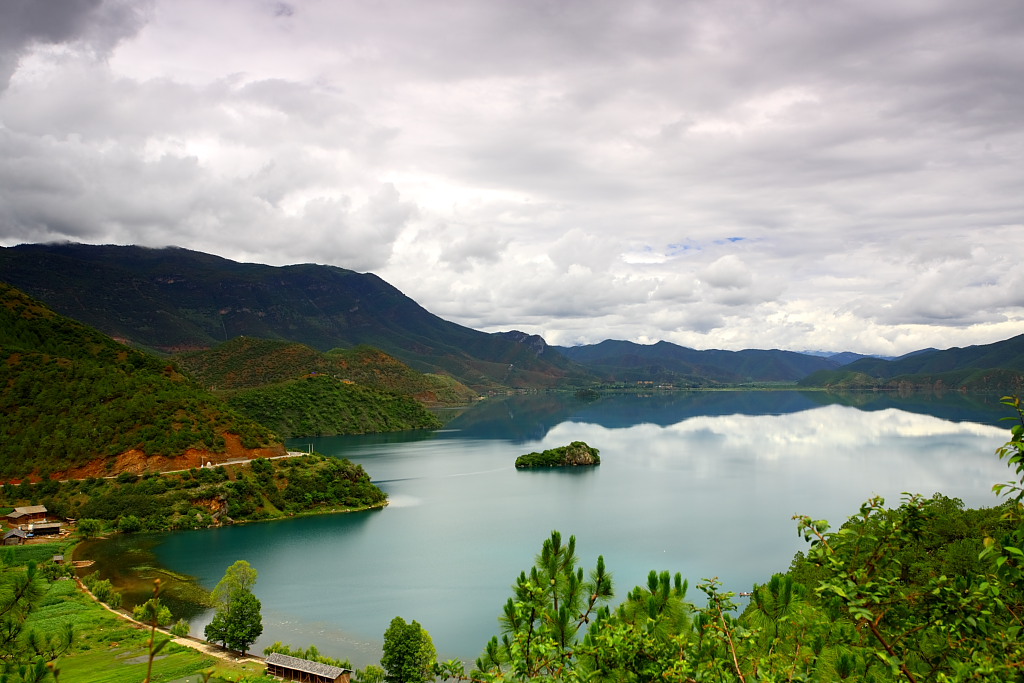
x,y
986,367
325,406
70,396
176,300
248,363
202,497
625,361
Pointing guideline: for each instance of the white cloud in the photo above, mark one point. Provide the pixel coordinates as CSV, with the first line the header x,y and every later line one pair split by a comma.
x,y
727,175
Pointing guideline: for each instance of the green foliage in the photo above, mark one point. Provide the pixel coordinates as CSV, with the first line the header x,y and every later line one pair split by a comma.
x,y
324,406
239,578
546,617
89,528
409,655
901,594
180,628
150,611
250,363
70,395
53,571
575,454
197,498
370,674
106,648
103,590
238,625
25,650
238,622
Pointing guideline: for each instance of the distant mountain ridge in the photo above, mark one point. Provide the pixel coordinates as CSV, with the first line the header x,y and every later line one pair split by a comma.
x,y
175,300
668,362
987,367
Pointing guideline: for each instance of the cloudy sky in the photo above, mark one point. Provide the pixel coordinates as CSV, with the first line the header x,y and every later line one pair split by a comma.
x,y
788,174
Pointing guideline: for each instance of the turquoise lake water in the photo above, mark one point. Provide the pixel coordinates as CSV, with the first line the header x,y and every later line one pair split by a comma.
x,y
701,483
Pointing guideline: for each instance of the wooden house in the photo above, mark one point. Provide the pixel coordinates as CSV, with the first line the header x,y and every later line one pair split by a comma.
x,y
45,529
29,514
294,669
15,537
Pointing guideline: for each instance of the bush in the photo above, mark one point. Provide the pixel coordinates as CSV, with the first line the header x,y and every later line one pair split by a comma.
x,y
53,571
181,628
129,524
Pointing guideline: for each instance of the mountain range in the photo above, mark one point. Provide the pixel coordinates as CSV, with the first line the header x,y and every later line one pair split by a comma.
x,y
174,300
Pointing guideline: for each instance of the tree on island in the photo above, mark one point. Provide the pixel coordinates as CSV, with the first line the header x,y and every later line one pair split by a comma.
x,y
576,454
238,622
409,654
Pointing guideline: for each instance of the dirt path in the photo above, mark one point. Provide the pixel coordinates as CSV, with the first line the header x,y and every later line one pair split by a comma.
x,y
188,641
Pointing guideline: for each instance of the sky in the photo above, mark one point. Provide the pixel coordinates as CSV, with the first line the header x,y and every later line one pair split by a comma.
x,y
793,174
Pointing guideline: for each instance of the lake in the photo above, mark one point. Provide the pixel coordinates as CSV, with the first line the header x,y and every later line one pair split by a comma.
x,y
704,483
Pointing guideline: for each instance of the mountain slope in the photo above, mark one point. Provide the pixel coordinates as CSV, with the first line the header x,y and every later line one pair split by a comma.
x,y
664,361
70,396
996,367
247,363
174,299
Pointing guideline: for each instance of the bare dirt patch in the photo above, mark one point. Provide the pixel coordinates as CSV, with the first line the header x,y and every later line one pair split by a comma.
x,y
137,462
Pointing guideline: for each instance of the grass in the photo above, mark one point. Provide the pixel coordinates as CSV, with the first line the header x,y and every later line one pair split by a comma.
x,y
37,552
108,649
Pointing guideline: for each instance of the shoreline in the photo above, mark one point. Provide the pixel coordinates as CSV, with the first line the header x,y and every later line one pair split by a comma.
x,y
125,581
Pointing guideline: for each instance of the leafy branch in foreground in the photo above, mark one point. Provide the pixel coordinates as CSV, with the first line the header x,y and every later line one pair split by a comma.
x,y
27,654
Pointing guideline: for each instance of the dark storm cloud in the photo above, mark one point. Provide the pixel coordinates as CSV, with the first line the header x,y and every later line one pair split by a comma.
x,y
98,24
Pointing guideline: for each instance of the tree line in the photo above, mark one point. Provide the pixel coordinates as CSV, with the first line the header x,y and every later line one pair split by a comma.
x,y
200,497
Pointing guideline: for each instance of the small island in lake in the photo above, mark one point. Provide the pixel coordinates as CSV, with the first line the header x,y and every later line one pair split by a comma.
x,y
576,454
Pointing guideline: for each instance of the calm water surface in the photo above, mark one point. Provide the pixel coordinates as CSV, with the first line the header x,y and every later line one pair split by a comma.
x,y
701,483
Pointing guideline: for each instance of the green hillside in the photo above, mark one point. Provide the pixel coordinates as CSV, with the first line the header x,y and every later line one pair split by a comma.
x,y
247,363
201,497
324,406
987,367
70,395
625,361
176,300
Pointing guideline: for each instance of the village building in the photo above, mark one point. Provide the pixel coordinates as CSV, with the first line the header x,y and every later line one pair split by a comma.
x,y
15,537
27,515
294,669
45,529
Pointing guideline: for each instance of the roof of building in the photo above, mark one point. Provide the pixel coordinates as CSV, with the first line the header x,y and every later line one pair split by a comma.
x,y
305,665
31,510
44,525
16,532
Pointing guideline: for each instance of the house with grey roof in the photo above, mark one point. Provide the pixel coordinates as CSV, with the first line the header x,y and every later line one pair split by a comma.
x,y
15,537
294,669
27,515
